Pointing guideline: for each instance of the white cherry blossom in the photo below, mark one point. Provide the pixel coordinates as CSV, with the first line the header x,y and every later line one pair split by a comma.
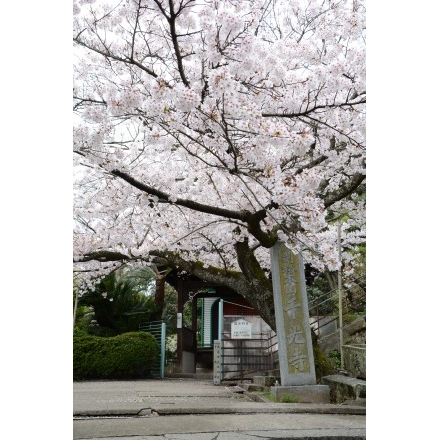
x,y
200,125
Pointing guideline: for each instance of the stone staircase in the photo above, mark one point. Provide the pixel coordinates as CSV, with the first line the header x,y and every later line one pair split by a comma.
x,y
261,383
268,389
259,388
344,389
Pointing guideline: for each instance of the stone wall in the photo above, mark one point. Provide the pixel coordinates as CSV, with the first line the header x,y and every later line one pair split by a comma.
x,y
355,360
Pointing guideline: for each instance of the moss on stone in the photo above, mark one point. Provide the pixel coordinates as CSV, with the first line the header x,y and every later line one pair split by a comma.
x,y
323,366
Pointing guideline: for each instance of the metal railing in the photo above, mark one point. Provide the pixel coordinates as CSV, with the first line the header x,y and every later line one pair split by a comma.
x,y
158,330
326,305
242,358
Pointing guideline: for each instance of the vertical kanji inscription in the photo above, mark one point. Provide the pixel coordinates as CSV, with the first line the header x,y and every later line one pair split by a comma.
x,y
292,317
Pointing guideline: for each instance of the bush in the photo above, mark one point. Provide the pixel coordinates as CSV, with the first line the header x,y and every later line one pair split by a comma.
x,y
335,357
286,398
126,356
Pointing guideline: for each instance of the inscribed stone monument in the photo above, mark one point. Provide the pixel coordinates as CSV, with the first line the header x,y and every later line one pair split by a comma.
x,y
295,347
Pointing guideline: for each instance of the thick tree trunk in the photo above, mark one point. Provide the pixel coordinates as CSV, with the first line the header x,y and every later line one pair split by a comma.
x,y
258,289
252,283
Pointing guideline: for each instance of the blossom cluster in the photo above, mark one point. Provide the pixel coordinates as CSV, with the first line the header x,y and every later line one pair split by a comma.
x,y
234,105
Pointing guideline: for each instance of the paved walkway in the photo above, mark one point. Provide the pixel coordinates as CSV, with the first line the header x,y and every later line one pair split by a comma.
x,y
181,409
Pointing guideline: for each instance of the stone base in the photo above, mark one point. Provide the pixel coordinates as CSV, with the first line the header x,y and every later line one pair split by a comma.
x,y
344,388
301,393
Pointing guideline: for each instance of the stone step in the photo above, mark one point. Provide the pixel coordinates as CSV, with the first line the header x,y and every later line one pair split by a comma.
x,y
266,381
346,388
195,376
275,373
301,393
252,387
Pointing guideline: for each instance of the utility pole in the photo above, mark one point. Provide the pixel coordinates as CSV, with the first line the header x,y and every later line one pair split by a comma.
x,y
341,331
75,307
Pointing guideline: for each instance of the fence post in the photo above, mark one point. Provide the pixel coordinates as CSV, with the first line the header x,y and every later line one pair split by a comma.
x,y
217,362
218,347
162,349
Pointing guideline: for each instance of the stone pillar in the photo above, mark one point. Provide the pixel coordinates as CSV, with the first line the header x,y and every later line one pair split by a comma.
x,y
217,362
292,317
295,348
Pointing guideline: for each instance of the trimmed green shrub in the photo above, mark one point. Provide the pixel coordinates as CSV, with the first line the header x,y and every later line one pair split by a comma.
x,y
126,356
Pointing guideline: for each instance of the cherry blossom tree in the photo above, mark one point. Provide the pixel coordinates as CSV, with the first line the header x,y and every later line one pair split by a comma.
x,y
205,131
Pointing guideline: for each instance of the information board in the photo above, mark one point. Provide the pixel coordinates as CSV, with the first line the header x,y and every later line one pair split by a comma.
x,y
241,329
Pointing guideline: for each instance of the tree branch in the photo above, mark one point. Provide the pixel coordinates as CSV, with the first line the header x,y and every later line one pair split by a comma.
x,y
313,109
114,57
251,219
103,256
172,22
252,284
345,191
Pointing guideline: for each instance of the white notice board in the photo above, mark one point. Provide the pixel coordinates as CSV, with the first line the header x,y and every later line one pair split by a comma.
x,y
241,329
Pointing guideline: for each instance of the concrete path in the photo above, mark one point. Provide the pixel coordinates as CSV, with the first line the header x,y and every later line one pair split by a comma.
x,y
181,409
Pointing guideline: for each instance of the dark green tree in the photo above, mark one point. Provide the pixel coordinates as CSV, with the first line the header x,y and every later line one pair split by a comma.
x,y
120,303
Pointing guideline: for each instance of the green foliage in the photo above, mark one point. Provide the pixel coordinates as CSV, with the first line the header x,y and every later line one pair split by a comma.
x,y
169,314
84,318
335,357
324,300
266,395
323,366
350,316
119,304
320,303
171,348
287,398
126,356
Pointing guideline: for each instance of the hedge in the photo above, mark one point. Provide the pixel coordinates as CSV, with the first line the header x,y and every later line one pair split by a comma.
x,y
125,356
